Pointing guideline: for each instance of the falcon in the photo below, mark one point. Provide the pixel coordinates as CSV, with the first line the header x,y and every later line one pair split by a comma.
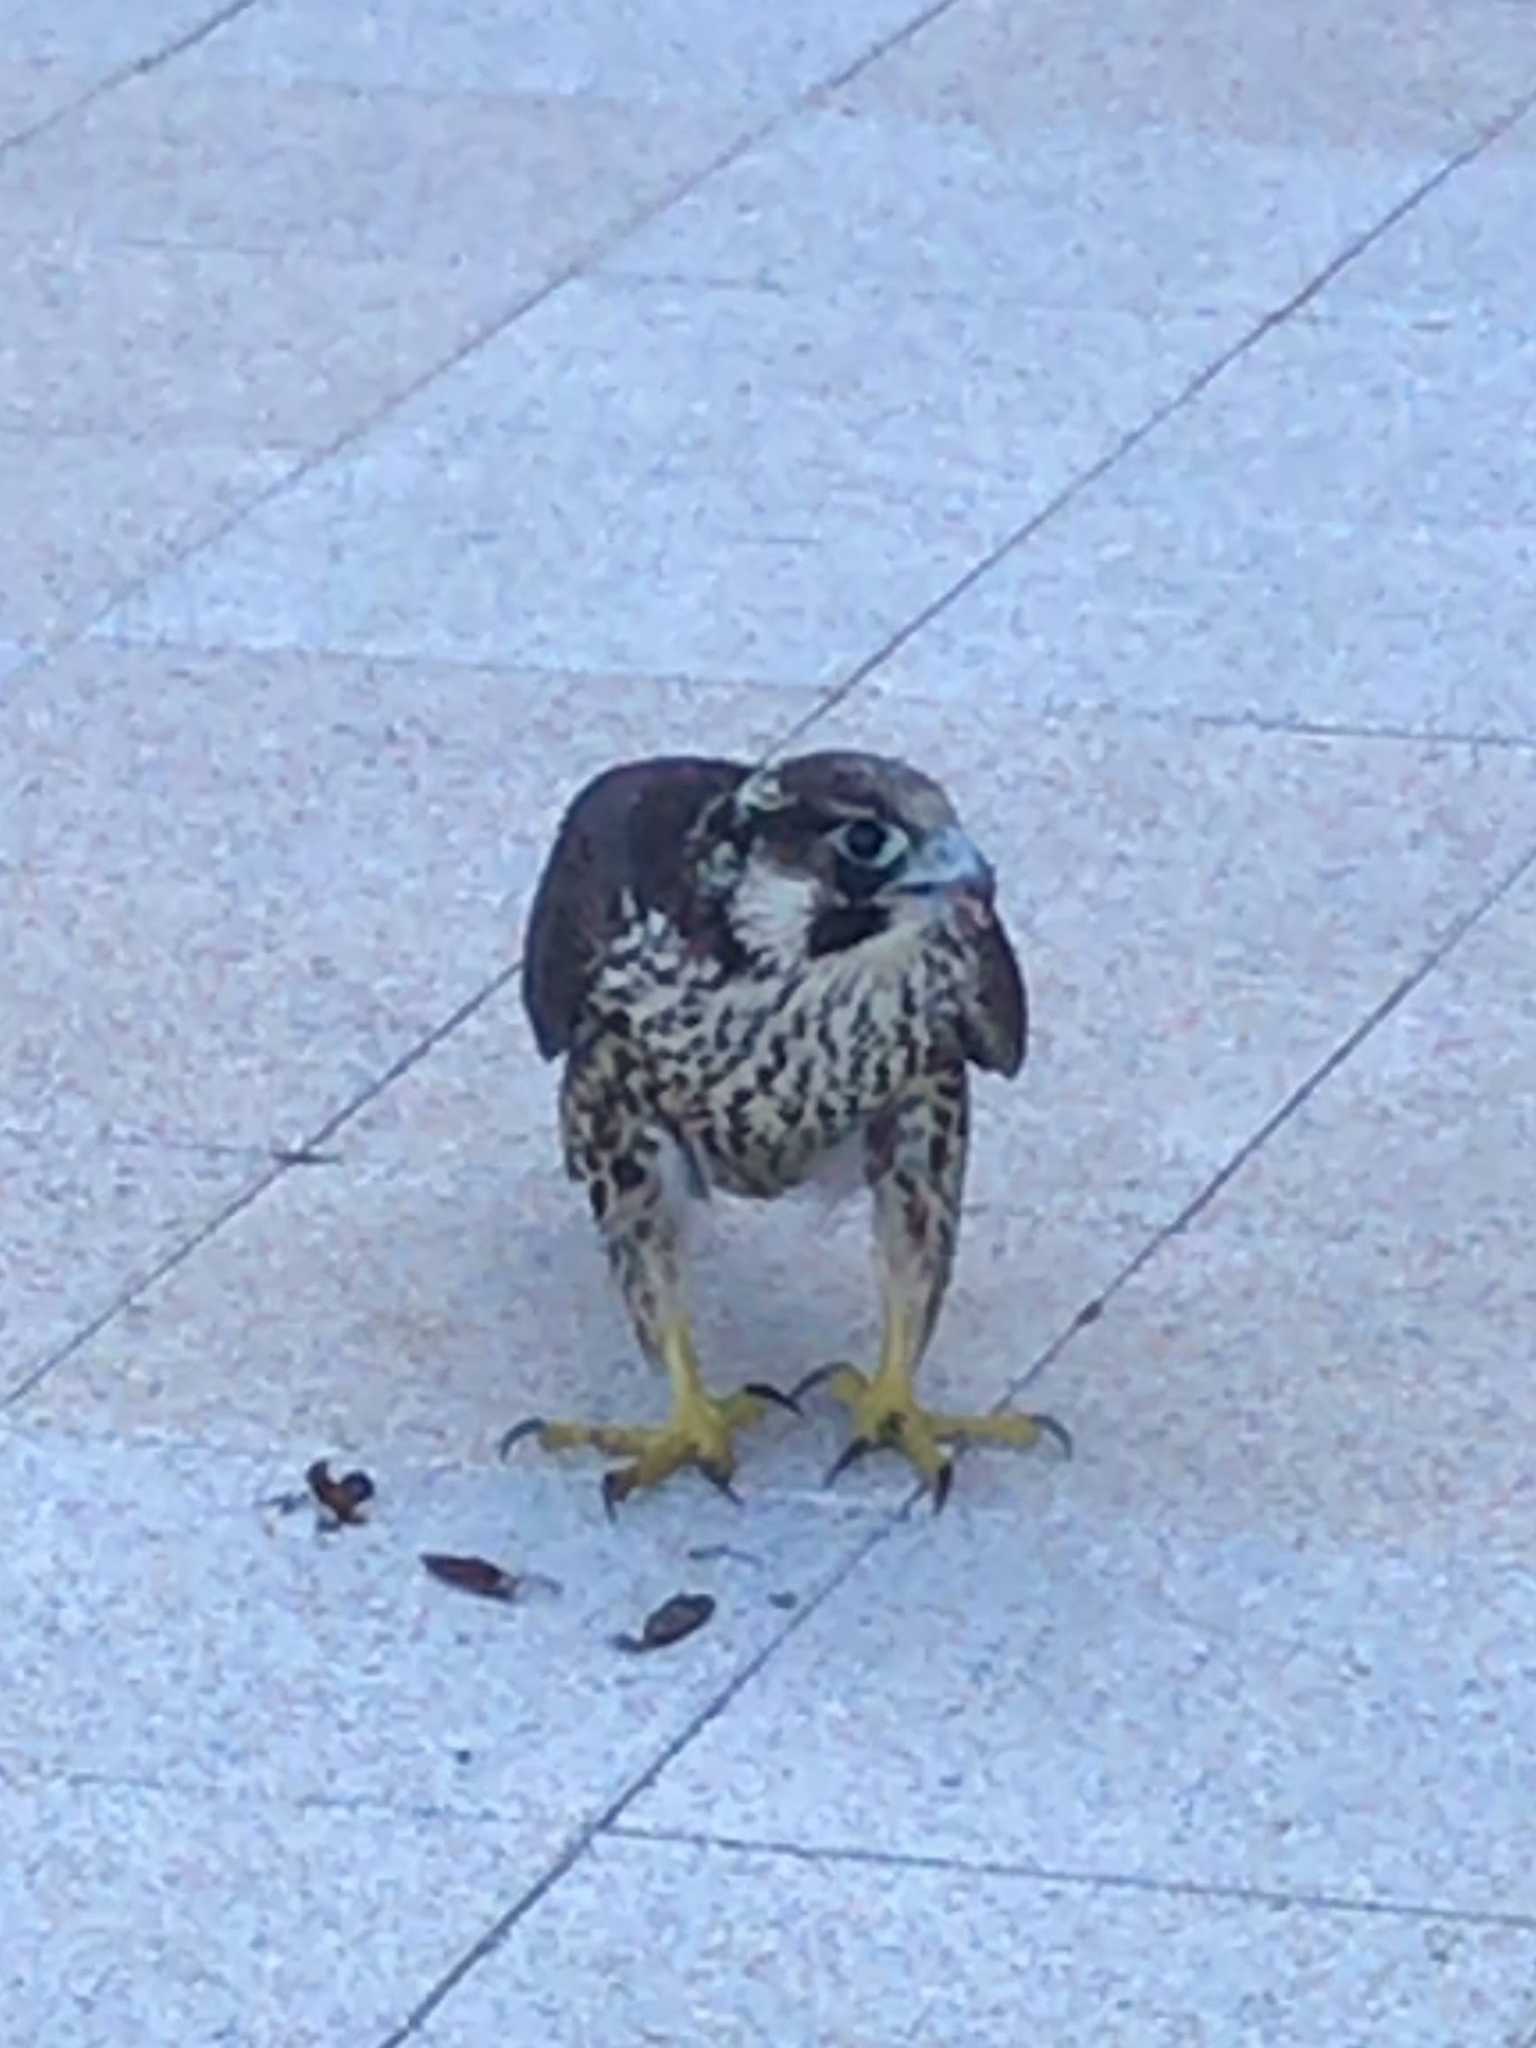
x,y
748,970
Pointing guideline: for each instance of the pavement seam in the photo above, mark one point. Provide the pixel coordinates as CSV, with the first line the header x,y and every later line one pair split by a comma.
x,y
1297,1099
605,1822
881,47
586,259
292,1159
310,1149
1325,729
1132,439
596,251
1037,1873
882,1524
827,697
284,1160
608,1823
136,67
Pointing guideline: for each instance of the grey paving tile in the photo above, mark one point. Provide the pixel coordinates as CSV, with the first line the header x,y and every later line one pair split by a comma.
x,y
88,514
811,468
240,887
1080,1691
134,1913
695,1946
511,187
1082,214
447,1245
1357,424
1173,589
265,349
755,57
1395,77
173,1632
1341,1346
89,1217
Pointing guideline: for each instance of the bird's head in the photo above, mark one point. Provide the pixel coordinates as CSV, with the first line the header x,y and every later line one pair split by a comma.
x,y
838,861
829,852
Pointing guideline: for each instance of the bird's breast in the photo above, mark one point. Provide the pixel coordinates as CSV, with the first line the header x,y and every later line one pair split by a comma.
x,y
768,1077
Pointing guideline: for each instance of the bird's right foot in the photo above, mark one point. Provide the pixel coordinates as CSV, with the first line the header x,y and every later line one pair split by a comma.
x,y
700,1431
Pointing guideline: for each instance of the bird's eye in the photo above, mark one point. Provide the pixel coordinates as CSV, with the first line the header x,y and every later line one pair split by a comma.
x,y
870,843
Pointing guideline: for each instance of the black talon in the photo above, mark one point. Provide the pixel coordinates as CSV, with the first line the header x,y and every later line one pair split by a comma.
x,y
1057,1431
944,1479
764,1392
721,1481
532,1427
860,1447
814,1379
616,1488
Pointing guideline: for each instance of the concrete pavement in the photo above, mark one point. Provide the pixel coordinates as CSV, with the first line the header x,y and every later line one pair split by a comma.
x,y
1126,413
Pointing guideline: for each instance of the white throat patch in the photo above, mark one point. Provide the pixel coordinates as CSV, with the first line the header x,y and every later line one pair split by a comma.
x,y
773,909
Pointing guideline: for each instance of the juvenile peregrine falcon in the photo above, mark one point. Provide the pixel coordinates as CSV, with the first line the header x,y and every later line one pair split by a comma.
x,y
744,968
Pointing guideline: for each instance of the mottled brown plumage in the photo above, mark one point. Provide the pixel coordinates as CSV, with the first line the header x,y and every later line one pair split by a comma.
x,y
745,970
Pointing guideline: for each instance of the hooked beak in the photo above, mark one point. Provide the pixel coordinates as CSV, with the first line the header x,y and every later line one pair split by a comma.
x,y
946,863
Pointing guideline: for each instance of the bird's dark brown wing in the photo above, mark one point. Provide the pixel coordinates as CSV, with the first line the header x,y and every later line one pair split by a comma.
x,y
997,1028
624,831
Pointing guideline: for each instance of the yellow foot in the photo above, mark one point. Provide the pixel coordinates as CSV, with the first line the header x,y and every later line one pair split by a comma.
x,y
698,1432
886,1417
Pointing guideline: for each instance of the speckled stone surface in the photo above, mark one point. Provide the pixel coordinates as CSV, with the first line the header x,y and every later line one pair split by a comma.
x,y
405,412
871,1954
270,349
141,1912
964,209
240,886
1061,1687
102,32
494,517
441,1234
754,59
1462,261
186,1633
90,1214
1149,599
32,92
238,889
1342,1345
1402,79
501,192
148,502
1338,531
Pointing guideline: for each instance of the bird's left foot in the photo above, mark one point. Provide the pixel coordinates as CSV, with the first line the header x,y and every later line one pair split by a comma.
x,y
886,1417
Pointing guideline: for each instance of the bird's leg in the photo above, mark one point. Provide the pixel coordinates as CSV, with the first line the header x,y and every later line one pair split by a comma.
x,y
916,1171
644,1248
